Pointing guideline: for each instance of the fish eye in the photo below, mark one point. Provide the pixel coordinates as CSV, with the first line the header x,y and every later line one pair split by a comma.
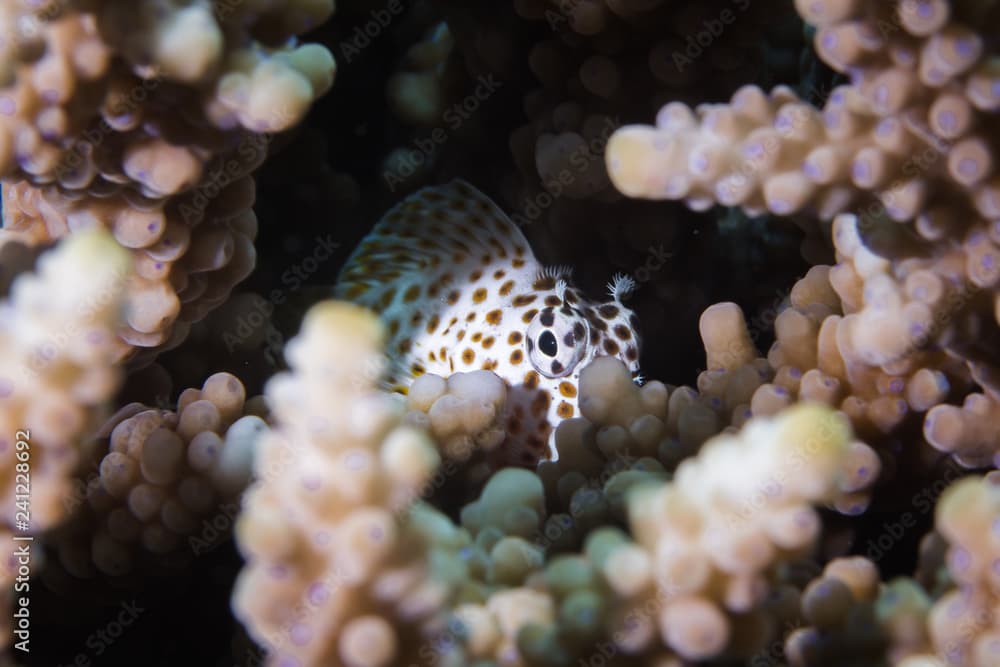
x,y
547,343
556,342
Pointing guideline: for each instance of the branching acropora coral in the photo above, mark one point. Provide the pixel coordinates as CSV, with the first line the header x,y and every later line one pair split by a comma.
x,y
963,624
907,148
148,118
338,562
162,478
57,351
708,540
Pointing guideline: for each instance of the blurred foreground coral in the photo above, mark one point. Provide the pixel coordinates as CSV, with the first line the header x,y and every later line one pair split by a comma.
x,y
147,118
749,518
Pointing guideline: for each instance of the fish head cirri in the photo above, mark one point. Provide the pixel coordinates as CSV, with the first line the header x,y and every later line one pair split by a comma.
x,y
460,290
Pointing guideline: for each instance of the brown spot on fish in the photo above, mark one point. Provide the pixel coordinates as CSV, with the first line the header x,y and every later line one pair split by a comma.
x,y
506,288
567,389
480,295
494,316
611,347
515,337
411,294
564,410
516,357
622,331
544,283
608,311
531,379
522,300
468,356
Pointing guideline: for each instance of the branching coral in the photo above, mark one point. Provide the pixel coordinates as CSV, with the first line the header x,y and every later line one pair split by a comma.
x,y
707,541
186,260
148,118
160,483
90,91
710,524
328,530
57,348
906,146
963,623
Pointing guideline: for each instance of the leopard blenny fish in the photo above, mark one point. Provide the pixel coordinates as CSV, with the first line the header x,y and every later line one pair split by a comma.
x,y
460,290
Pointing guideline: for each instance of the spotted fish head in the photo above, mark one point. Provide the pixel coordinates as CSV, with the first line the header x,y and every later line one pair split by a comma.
x,y
568,333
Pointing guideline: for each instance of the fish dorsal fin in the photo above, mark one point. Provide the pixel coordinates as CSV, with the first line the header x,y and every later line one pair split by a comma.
x,y
430,232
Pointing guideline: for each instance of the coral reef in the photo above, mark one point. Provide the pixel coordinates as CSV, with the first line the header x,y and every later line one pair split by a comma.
x,y
328,529
208,461
57,373
90,135
158,481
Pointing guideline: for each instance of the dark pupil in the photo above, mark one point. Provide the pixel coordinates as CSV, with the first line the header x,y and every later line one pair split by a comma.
x,y
547,343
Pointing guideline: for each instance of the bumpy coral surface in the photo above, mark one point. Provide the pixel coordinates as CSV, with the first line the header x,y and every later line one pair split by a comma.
x,y
327,530
90,134
161,483
89,91
786,491
57,372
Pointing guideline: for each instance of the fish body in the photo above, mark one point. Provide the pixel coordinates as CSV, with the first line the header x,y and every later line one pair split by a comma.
x,y
460,290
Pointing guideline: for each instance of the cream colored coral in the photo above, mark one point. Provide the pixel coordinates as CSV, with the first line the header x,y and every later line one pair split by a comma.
x,y
909,140
97,109
56,360
187,256
336,551
963,624
57,371
743,503
162,484
463,413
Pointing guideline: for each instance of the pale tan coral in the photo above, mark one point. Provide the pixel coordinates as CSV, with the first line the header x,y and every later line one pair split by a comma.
x,y
89,92
57,343
463,413
148,118
57,371
329,531
963,624
709,538
187,254
908,141
161,486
